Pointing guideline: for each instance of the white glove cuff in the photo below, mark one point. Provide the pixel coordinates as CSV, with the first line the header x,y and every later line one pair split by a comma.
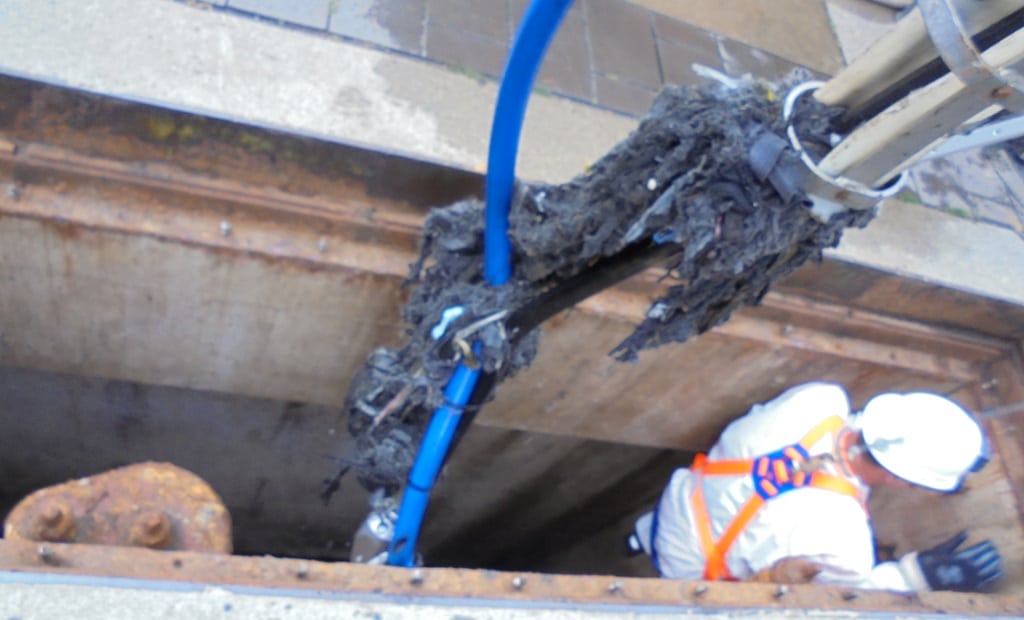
x,y
911,571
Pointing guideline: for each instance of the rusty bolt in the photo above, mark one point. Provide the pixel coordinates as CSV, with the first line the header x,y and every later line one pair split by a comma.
x,y
54,523
518,582
416,578
152,529
47,555
1001,93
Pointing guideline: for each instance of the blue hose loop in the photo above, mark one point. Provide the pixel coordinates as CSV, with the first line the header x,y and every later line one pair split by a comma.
x,y
538,28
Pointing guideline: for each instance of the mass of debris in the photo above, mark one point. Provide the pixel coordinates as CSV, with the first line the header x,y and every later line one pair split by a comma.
x,y
682,177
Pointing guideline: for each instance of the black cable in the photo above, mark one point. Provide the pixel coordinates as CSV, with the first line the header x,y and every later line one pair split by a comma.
x,y
604,274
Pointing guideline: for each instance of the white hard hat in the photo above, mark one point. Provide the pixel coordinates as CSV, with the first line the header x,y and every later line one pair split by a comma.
x,y
923,438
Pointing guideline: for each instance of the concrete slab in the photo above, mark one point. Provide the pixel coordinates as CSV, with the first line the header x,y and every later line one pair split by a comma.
x,y
941,248
228,66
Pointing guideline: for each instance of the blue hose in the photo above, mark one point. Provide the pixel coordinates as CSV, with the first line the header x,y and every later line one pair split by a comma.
x,y
539,25
402,550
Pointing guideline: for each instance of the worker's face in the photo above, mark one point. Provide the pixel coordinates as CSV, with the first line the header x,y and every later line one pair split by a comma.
x,y
873,475
896,482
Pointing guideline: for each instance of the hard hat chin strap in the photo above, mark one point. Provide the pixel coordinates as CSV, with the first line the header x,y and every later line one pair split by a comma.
x,y
849,446
855,458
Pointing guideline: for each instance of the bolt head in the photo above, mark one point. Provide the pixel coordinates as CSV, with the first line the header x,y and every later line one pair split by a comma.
x,y
51,515
47,555
1001,93
416,578
54,523
151,529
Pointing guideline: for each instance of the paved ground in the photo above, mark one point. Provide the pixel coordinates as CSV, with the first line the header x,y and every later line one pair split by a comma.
x,y
617,55
610,53
226,62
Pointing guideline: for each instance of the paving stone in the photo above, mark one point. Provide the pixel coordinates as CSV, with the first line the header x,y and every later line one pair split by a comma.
x,y
465,50
566,66
1010,171
971,171
622,42
622,96
798,30
968,180
484,18
936,191
518,9
680,45
396,24
997,213
741,59
858,25
312,13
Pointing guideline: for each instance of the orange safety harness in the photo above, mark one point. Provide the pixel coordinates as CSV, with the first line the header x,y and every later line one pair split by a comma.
x,y
774,474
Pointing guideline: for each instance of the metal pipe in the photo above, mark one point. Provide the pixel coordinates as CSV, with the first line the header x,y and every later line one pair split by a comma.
x,y
538,28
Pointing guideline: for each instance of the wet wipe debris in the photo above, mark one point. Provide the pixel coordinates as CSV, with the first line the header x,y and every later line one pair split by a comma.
x,y
682,178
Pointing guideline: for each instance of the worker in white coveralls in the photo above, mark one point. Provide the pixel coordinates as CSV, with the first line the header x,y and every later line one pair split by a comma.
x,y
787,485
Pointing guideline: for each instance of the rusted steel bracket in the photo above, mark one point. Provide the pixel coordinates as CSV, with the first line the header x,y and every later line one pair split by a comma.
x,y
154,505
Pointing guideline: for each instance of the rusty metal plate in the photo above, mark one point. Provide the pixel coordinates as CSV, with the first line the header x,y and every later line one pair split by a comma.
x,y
417,585
154,505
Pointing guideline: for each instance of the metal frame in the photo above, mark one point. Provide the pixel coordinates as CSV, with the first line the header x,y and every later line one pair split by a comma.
x,y
980,83
489,589
952,40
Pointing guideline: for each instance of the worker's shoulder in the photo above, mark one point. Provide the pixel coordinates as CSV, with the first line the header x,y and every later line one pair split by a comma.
x,y
822,398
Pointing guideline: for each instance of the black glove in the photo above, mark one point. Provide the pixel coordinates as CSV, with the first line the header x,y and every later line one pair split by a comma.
x,y
974,569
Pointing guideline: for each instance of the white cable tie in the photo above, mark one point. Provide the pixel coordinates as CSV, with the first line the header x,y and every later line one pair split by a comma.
x,y
448,315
